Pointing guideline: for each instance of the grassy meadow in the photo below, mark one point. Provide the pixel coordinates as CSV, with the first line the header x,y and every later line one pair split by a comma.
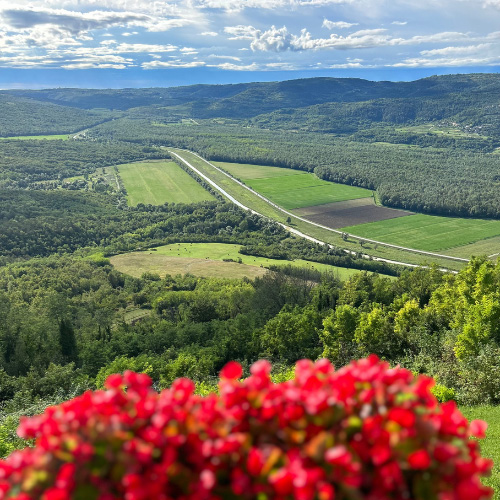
x,y
294,189
156,183
207,259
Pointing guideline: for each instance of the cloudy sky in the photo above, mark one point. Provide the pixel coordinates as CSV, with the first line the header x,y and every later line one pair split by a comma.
x,y
117,43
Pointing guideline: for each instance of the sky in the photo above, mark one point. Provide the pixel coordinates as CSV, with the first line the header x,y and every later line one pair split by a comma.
x,y
150,43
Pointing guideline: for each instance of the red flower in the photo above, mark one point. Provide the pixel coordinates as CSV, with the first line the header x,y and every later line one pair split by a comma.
x,y
419,459
232,371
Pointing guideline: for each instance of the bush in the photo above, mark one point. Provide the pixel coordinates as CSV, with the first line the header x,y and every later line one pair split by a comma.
x,y
363,432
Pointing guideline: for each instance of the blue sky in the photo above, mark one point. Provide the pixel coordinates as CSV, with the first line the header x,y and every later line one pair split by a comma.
x,y
138,43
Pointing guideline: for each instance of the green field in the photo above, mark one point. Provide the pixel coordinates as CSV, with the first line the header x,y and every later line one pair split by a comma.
x,y
295,189
156,183
427,232
490,447
206,259
63,137
246,171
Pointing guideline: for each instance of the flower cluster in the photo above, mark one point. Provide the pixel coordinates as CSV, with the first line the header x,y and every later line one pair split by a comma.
x,y
364,432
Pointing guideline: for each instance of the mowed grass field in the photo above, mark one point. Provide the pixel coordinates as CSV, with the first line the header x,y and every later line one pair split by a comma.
x,y
156,183
292,188
427,232
490,447
206,259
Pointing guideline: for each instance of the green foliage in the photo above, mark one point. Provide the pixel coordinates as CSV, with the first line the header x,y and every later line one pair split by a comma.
x,y
20,116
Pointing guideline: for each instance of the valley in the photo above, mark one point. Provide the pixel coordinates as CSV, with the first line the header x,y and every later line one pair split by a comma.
x,y
172,230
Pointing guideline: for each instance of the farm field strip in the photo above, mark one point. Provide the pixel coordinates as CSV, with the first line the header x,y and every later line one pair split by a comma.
x,y
295,189
428,232
159,182
206,259
349,213
261,205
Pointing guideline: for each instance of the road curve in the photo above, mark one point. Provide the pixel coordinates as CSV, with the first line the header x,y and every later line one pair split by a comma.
x,y
290,229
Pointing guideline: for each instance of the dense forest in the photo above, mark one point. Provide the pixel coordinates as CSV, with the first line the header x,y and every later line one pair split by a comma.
x,y
441,181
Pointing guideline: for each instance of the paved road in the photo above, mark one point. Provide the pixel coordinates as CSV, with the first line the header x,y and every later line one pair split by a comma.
x,y
292,230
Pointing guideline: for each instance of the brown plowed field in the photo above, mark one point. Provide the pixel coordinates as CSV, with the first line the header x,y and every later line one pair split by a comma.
x,y
349,213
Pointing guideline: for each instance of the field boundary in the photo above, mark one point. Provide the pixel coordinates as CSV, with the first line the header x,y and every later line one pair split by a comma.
x,y
359,238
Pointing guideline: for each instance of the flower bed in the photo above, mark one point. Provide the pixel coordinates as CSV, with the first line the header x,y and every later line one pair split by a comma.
x,y
364,432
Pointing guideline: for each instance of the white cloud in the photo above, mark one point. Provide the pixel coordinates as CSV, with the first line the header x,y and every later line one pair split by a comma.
x,y
130,34
241,32
177,63
491,3
74,23
129,48
209,33
239,5
337,24
400,23
274,39
84,65
444,37
423,62
281,40
231,58
237,67
448,51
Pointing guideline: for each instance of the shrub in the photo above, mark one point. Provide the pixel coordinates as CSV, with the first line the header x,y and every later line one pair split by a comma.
x,y
364,432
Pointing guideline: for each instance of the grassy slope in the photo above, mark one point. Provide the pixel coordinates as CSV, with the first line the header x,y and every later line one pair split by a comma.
x,y
490,447
206,259
160,182
295,190
427,232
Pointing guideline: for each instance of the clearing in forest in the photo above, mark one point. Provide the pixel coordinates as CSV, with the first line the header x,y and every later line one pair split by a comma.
x,y
292,188
206,259
427,232
159,182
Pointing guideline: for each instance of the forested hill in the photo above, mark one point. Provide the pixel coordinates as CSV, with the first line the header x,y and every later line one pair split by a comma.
x,y
258,97
20,115
331,105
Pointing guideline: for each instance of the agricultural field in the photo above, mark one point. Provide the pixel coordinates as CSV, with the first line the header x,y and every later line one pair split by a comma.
x,y
60,137
159,182
428,232
206,259
349,213
295,189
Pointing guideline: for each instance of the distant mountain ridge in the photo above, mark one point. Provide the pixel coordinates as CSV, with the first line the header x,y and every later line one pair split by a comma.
x,y
327,105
